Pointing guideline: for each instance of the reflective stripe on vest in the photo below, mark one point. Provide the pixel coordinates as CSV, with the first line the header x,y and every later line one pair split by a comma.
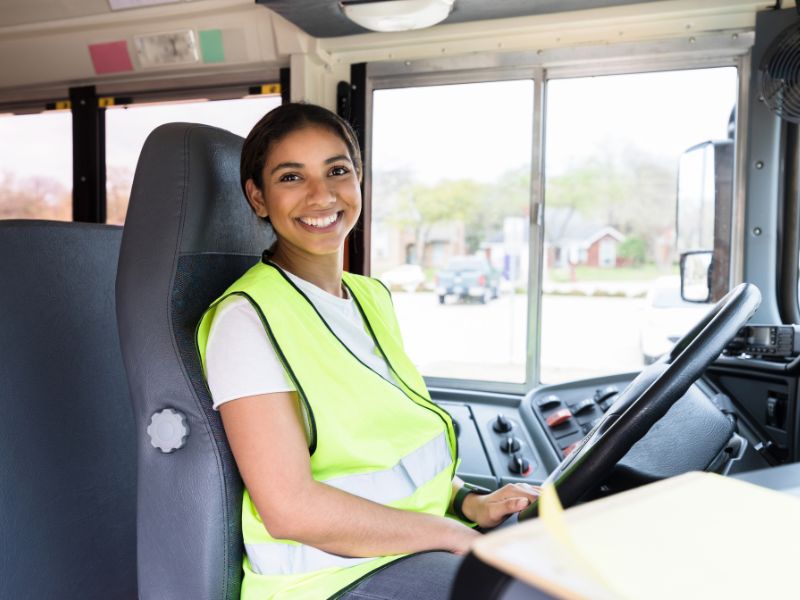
x,y
290,559
411,472
414,470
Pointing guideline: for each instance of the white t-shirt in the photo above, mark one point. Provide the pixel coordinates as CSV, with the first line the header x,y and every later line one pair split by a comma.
x,y
240,359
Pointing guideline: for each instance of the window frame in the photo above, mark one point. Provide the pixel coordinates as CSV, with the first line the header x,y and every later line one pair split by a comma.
x,y
228,86
723,49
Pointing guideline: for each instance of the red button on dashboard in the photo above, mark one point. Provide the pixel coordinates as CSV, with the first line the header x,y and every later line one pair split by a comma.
x,y
560,416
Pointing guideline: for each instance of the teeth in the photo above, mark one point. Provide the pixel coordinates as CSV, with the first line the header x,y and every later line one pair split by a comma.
x,y
319,222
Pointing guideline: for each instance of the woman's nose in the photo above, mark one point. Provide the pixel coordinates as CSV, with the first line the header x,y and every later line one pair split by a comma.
x,y
320,193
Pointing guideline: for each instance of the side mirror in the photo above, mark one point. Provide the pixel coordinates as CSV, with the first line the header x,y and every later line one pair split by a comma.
x,y
696,269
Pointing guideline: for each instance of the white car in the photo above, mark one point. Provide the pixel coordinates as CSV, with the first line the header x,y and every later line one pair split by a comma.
x,y
666,318
403,277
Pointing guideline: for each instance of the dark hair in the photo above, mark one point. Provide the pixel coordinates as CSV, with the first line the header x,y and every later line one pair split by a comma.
x,y
280,122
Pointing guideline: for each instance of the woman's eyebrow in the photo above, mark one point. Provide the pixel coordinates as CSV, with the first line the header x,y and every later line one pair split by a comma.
x,y
287,165
337,158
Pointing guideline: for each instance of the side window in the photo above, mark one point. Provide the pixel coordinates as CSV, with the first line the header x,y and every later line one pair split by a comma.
x,y
127,127
36,166
610,289
451,185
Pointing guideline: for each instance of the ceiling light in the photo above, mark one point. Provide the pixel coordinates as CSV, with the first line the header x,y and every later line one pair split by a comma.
x,y
396,15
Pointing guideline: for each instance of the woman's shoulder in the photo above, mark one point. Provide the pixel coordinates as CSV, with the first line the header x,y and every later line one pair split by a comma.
x,y
370,284
259,273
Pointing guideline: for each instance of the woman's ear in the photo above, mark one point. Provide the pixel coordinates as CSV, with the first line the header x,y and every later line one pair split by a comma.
x,y
256,198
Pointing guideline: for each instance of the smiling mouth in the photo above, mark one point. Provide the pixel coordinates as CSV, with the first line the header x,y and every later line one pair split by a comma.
x,y
320,222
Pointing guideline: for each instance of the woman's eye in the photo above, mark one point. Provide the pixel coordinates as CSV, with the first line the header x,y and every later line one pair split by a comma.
x,y
339,171
289,177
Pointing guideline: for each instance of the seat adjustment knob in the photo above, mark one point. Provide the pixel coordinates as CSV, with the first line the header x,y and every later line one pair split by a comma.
x,y
168,430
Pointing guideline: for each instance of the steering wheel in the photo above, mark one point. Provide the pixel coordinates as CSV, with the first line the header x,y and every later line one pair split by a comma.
x,y
648,398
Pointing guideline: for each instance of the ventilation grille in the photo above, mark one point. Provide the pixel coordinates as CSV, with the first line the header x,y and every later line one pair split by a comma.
x,y
780,75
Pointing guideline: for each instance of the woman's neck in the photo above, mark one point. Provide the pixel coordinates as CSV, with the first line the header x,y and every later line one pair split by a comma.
x,y
325,272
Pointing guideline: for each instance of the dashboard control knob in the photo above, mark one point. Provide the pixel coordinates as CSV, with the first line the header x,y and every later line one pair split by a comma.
x,y
583,406
519,465
510,444
559,417
502,424
549,401
603,394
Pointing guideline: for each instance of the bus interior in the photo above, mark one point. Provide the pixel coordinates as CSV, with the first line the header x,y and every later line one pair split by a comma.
x,y
587,213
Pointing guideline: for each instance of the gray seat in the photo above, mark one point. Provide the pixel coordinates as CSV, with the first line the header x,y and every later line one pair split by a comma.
x,y
189,233
67,446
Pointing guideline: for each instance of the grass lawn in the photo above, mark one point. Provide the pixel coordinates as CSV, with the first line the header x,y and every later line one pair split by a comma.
x,y
584,273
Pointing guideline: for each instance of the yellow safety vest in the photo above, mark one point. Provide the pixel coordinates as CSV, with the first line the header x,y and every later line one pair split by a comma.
x,y
387,443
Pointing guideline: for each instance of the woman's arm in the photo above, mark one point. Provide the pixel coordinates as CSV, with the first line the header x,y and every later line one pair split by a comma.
x,y
266,436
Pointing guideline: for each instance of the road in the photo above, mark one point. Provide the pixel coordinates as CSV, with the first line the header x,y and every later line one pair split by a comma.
x,y
581,336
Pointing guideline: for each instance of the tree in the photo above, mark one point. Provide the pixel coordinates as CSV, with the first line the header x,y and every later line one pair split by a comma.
x,y
34,198
627,189
633,249
420,207
508,196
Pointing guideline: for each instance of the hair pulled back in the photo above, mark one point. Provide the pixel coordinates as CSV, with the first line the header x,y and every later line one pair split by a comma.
x,y
280,122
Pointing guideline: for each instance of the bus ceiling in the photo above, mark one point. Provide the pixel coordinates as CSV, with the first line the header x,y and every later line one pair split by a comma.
x,y
141,46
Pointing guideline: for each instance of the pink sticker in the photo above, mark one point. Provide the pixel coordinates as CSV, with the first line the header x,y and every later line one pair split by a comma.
x,y
110,57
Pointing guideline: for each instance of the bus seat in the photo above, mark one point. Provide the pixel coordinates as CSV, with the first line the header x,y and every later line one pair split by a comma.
x,y
67,443
189,233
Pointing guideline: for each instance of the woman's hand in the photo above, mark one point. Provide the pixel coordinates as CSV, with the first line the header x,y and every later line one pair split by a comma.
x,y
492,509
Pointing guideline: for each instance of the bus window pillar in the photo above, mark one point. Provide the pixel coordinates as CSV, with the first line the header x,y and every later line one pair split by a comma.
x,y
314,77
88,156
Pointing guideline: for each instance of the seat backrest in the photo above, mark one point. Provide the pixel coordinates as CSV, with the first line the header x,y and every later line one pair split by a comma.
x,y
67,446
189,234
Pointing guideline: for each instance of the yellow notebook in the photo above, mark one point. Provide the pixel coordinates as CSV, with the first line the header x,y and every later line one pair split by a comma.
x,y
697,536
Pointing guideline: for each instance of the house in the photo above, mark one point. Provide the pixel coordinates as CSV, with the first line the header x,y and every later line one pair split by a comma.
x,y
571,238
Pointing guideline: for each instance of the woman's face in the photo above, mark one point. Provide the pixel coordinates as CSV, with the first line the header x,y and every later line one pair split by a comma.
x,y
311,191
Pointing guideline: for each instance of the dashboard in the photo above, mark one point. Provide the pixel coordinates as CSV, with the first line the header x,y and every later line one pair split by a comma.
x,y
505,438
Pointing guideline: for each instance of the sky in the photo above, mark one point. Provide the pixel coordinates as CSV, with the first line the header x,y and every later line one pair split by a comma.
x,y
478,131
473,131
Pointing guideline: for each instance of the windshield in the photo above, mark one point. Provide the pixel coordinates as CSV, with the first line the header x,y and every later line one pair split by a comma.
x,y
668,298
466,262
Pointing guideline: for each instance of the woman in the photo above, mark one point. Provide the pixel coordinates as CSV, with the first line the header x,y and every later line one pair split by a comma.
x,y
348,465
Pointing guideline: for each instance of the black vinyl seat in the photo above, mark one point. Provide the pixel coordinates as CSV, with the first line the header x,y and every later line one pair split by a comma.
x,y
189,234
67,443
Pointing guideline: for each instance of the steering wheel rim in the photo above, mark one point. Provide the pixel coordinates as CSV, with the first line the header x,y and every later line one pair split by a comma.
x,y
648,398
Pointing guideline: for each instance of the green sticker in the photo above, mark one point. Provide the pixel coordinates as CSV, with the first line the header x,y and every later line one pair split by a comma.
x,y
211,46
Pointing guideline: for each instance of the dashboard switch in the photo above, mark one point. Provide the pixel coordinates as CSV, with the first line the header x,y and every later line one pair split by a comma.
x,y
519,465
559,417
510,444
549,401
568,450
583,406
502,424
605,393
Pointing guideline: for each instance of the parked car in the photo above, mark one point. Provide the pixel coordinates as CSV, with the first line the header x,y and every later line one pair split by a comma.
x,y
666,318
403,277
468,278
